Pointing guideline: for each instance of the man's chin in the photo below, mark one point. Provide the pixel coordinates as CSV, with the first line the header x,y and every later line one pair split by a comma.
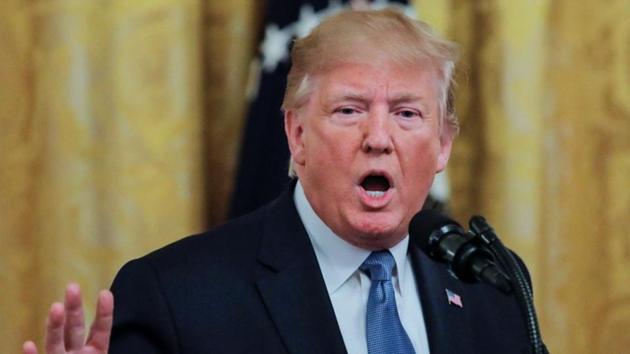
x,y
375,235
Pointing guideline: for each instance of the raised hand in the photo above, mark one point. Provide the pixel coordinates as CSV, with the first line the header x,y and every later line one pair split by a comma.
x,y
65,326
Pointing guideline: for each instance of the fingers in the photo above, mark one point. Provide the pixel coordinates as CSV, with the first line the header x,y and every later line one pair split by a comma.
x,y
29,348
102,325
54,329
65,326
74,329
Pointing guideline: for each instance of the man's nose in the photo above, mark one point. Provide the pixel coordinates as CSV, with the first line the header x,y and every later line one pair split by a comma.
x,y
377,137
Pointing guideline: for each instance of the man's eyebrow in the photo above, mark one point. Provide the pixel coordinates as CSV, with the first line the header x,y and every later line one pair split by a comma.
x,y
405,98
348,96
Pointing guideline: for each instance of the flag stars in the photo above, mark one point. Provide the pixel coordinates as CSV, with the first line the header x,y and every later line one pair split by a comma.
x,y
275,46
308,20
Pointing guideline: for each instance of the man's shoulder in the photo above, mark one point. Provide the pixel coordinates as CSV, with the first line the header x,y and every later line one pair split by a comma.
x,y
225,248
235,233
233,237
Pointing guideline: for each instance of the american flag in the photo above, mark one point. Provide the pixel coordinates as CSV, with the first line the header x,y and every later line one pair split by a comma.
x,y
454,299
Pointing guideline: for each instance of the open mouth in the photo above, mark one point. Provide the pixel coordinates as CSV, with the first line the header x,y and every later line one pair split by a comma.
x,y
376,184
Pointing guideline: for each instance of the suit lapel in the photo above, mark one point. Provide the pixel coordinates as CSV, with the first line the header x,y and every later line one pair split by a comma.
x,y
294,293
447,325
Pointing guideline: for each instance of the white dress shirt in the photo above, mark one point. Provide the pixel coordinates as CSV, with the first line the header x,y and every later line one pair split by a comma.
x,y
349,287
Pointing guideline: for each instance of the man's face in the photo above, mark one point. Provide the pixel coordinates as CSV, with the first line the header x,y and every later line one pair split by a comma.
x,y
366,146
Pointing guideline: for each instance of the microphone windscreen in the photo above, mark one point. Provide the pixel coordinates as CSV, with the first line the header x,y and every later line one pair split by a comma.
x,y
424,223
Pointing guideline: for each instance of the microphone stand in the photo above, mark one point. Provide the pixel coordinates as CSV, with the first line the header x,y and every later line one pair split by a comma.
x,y
514,268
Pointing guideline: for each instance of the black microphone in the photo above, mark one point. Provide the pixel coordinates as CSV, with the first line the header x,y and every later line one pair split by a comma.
x,y
444,240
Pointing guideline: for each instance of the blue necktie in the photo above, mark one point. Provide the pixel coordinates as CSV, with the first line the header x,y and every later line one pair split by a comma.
x,y
385,334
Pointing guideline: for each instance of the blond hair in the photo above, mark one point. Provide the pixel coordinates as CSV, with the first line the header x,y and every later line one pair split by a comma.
x,y
388,35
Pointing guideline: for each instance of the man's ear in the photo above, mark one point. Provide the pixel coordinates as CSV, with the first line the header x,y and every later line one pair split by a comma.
x,y
446,144
294,130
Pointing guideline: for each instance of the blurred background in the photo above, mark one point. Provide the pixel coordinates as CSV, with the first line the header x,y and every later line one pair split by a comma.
x,y
123,125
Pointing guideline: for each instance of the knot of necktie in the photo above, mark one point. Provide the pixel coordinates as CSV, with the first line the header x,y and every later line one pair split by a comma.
x,y
379,265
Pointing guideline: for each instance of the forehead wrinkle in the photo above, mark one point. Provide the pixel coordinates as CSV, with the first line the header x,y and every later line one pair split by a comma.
x,y
346,93
332,91
406,98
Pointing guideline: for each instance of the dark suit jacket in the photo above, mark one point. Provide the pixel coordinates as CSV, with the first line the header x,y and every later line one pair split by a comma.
x,y
254,285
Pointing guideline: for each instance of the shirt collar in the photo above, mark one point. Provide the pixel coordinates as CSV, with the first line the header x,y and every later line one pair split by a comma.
x,y
399,251
338,259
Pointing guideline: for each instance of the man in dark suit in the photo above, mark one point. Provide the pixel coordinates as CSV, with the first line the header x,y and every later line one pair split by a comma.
x,y
328,267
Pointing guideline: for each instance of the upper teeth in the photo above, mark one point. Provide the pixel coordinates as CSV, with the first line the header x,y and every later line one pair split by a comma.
x,y
375,194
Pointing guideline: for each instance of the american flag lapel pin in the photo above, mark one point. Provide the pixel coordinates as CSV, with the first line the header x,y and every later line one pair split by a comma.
x,y
453,299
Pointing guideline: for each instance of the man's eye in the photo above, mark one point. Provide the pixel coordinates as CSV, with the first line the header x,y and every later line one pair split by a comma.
x,y
406,113
346,110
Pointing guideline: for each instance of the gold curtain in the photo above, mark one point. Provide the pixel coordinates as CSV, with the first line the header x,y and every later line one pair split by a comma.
x,y
120,121
111,112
